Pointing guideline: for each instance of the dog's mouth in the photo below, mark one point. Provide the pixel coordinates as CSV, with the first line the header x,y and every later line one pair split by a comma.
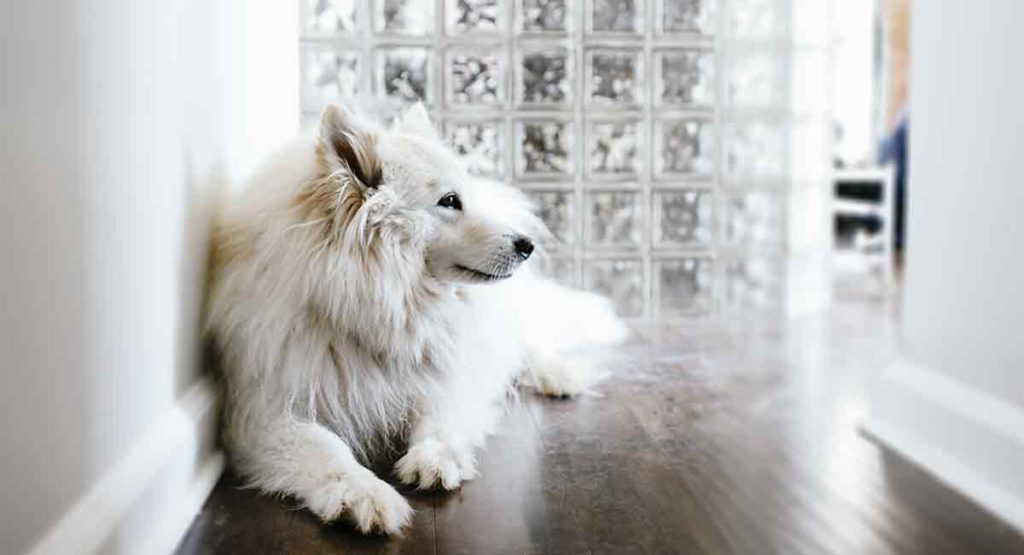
x,y
477,275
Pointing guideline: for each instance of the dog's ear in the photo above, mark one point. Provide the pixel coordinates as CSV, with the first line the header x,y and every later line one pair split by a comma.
x,y
416,121
346,145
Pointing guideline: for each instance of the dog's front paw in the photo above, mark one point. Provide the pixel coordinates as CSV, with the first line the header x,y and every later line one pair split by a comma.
x,y
431,462
372,504
558,376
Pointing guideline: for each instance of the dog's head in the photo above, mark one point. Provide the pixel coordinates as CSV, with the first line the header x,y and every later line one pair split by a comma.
x,y
403,185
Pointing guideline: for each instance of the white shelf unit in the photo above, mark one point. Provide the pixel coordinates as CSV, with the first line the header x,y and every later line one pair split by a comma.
x,y
871,252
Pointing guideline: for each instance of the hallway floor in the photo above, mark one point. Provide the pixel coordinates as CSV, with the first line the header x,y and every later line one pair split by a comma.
x,y
706,440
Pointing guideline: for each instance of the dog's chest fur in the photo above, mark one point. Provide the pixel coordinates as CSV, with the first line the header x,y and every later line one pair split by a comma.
x,y
371,382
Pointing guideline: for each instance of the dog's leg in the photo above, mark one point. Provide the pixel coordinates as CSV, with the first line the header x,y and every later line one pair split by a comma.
x,y
310,462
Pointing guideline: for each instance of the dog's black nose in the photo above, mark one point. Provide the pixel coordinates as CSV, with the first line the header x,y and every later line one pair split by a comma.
x,y
524,247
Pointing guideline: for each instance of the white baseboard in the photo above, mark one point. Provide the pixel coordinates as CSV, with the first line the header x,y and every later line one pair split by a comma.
x,y
146,502
178,518
971,440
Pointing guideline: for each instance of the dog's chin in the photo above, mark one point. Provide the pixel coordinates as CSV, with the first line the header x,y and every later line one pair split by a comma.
x,y
471,275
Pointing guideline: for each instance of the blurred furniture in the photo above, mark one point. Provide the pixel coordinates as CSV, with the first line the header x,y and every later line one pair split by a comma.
x,y
863,222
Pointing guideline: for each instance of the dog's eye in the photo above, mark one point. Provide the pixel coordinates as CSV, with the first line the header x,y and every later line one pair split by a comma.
x,y
451,200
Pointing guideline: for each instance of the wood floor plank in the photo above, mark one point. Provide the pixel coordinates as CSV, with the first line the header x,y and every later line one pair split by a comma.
x,y
504,510
706,440
242,521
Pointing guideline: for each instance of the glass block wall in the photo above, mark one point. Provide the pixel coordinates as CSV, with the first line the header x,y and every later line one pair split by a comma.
x,y
653,134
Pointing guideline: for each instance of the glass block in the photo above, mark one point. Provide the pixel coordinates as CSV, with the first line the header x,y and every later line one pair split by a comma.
x,y
614,219
685,147
683,286
329,17
751,283
404,73
621,280
755,80
477,78
614,77
616,16
558,211
404,17
753,218
473,16
685,77
543,16
543,148
682,217
480,145
686,16
544,76
328,76
755,150
756,19
613,150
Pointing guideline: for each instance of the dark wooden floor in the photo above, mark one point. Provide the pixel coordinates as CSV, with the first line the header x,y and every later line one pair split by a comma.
x,y
706,441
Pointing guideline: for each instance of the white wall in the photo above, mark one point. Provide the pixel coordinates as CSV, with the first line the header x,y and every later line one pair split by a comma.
x,y
965,316
119,119
956,400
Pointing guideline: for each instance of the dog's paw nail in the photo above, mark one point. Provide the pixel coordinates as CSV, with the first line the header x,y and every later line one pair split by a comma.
x,y
373,507
431,463
381,509
329,501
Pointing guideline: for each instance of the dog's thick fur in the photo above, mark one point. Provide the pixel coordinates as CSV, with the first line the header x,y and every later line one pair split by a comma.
x,y
355,311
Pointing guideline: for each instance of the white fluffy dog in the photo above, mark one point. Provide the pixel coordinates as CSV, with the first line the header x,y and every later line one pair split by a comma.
x,y
369,294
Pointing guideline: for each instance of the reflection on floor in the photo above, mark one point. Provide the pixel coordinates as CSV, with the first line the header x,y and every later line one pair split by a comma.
x,y
707,440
